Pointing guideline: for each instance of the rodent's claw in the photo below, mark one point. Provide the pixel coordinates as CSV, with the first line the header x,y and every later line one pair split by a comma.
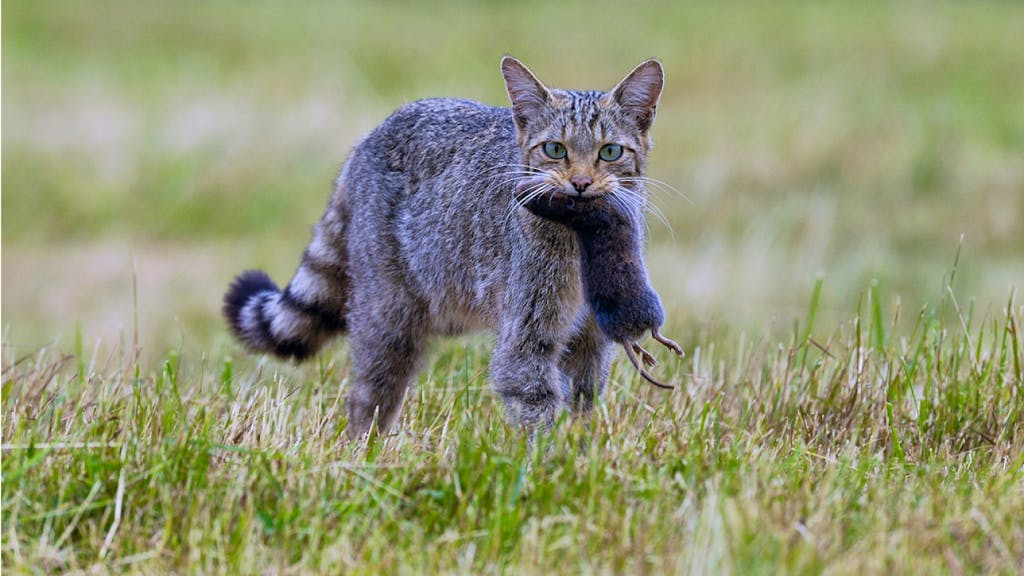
x,y
645,356
643,371
668,342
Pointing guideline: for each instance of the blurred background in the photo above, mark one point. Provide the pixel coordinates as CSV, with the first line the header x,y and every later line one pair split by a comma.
x,y
152,150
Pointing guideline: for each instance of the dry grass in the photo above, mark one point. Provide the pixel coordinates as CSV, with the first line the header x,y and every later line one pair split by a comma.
x,y
862,450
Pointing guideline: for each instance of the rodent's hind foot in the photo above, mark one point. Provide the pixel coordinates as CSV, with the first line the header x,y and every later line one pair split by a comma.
x,y
668,342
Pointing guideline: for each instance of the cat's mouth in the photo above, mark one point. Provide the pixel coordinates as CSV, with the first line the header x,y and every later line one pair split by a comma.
x,y
590,193
580,198
543,185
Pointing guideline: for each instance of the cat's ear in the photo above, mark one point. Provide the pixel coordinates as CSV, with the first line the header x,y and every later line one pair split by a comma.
x,y
529,96
639,91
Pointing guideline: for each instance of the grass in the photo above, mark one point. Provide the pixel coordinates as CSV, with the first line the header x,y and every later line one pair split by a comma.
x,y
867,449
842,408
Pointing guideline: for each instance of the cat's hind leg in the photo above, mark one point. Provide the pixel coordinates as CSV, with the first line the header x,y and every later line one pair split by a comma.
x,y
388,337
587,362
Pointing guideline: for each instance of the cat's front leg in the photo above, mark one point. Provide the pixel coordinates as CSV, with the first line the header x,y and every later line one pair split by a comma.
x,y
542,296
525,374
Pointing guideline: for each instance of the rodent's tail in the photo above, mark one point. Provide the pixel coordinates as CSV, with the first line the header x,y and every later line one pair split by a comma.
x,y
297,321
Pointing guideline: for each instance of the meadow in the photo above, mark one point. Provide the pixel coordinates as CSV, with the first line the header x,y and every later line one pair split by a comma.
x,y
841,261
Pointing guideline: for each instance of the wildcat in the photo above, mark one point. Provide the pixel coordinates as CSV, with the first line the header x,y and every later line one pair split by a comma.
x,y
615,282
423,237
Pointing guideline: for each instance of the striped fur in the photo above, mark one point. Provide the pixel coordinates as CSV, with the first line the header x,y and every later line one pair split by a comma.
x,y
297,321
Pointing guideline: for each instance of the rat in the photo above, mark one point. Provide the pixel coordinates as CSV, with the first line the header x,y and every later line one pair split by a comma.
x,y
615,280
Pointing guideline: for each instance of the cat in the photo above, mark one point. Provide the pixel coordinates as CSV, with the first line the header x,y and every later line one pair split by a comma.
x,y
615,281
423,237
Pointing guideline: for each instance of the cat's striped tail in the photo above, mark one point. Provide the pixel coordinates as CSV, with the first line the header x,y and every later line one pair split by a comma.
x,y
297,321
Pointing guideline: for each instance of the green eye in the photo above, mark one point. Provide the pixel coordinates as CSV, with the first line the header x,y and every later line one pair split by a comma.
x,y
555,150
610,152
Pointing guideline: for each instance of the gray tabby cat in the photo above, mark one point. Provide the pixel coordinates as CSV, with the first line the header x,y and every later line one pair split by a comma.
x,y
424,237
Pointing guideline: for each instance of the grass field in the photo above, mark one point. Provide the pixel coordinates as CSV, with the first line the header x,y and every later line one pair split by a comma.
x,y
844,274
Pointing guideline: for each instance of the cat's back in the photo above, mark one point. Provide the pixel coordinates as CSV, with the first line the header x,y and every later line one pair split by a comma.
x,y
432,117
430,157
424,137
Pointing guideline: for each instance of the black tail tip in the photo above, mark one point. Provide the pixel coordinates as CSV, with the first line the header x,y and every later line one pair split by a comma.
x,y
245,286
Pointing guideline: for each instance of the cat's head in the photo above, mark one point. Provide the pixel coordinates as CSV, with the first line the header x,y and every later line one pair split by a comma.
x,y
584,144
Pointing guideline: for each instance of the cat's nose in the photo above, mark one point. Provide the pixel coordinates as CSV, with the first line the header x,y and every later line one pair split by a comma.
x,y
580,183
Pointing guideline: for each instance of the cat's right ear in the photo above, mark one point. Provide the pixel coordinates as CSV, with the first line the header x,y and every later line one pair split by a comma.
x,y
529,96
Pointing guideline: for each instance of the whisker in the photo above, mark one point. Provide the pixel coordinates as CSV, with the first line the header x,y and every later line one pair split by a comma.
x,y
526,199
641,206
648,206
658,184
659,188
508,180
531,193
628,204
514,171
512,175
626,201
510,167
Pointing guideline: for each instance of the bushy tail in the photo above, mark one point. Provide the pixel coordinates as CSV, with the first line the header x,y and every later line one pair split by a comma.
x,y
297,321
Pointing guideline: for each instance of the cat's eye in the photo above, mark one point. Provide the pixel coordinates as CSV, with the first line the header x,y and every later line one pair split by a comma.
x,y
610,152
555,150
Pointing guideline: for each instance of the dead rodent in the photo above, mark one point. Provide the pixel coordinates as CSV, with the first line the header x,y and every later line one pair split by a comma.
x,y
615,280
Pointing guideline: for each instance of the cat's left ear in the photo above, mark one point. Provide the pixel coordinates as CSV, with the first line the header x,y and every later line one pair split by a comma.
x,y
639,91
